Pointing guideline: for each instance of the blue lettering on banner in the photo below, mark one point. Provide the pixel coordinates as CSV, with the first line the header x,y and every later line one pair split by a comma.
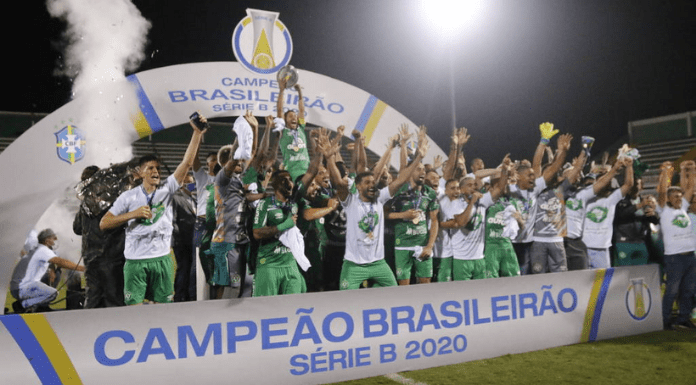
x,y
307,330
237,99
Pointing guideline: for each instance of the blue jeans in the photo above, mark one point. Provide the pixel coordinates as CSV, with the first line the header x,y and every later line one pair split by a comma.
x,y
681,280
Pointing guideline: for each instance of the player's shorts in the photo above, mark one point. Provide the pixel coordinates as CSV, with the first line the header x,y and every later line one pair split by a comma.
x,y
270,281
442,269
405,262
353,274
547,257
468,269
149,279
501,260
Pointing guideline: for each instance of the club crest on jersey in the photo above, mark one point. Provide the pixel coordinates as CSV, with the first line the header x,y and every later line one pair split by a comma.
x,y
681,220
598,214
70,144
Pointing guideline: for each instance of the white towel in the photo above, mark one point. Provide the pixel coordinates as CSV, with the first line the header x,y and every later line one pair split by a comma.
x,y
292,239
279,124
417,250
245,138
31,242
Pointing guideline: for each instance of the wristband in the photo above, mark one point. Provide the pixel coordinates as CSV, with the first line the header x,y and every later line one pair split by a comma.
x,y
545,141
288,223
547,132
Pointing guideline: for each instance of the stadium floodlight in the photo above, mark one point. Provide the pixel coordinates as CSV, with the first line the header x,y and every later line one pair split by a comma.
x,y
449,19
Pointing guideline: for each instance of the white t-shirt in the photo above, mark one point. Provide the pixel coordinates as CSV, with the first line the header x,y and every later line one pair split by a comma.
x,y
525,201
468,241
38,264
444,239
599,221
152,238
361,217
576,205
676,229
203,179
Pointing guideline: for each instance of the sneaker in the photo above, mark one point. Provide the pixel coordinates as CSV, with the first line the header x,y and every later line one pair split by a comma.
x,y
17,307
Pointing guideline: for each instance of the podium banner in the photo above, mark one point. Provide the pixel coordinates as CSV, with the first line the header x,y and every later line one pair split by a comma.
x,y
333,336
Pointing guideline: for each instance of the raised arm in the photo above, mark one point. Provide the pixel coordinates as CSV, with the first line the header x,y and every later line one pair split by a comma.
x,y
300,105
547,132
405,174
666,172
628,176
690,176
191,151
563,147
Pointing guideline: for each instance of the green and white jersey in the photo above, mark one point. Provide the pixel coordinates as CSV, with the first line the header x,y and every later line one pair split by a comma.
x,y
293,146
576,205
676,229
364,227
150,238
408,233
495,223
467,242
599,221
271,252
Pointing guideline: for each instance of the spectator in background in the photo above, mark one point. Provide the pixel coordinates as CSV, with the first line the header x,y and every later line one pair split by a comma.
x,y
26,285
203,231
184,207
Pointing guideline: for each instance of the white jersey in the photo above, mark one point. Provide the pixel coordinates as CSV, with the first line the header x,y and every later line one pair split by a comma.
x,y
448,209
365,227
576,208
150,238
676,229
37,266
203,179
468,241
599,221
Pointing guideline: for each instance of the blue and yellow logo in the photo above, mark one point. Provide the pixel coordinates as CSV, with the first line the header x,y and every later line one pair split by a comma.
x,y
261,42
638,299
70,144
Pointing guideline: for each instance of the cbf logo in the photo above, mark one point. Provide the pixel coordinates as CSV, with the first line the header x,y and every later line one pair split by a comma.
x,y
70,144
638,299
261,42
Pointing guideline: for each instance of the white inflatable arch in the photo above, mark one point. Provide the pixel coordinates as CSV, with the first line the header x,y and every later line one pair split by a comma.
x,y
41,164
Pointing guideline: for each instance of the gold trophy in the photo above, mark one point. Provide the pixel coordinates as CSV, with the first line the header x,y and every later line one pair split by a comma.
x,y
638,297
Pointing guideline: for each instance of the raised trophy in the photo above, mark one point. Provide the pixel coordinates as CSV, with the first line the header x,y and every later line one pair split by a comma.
x,y
289,73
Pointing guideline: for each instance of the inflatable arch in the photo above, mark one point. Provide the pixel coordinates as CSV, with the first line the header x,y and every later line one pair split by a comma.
x,y
48,158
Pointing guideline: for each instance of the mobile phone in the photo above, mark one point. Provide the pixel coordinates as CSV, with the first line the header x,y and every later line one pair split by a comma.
x,y
196,118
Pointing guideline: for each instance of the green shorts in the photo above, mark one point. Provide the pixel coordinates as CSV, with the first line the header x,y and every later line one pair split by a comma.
x,y
405,262
501,260
149,279
442,269
352,274
221,271
270,281
464,270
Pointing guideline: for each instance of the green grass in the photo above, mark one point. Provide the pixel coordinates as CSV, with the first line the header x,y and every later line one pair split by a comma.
x,y
665,357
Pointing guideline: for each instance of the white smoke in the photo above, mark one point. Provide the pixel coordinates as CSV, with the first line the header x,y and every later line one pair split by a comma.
x,y
104,39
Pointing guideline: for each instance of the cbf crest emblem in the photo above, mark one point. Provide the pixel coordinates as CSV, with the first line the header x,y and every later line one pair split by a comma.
x,y
70,144
638,299
261,42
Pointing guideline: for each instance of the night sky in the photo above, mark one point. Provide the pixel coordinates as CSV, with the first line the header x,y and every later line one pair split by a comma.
x,y
590,67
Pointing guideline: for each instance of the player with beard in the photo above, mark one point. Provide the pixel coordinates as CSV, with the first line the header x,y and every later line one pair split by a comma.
x,y
525,193
411,207
467,225
147,211
276,267
364,207
442,262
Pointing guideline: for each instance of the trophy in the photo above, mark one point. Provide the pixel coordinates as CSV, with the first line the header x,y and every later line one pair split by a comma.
x,y
638,297
263,38
289,73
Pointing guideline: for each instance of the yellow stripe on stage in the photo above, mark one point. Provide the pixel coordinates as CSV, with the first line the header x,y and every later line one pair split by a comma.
x,y
141,125
592,305
53,348
372,123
